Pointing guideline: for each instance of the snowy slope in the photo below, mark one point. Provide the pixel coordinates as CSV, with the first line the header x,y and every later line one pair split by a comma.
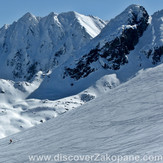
x,y
18,113
126,121
11,93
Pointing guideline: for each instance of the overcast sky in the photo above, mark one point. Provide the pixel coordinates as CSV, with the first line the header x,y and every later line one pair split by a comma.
x,y
12,10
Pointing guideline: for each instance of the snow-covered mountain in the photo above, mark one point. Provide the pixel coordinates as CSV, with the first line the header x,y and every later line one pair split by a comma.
x,y
59,62
29,49
129,42
126,121
34,44
105,54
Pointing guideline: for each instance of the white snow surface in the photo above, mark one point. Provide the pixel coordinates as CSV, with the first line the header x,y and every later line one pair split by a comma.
x,y
17,112
153,36
127,120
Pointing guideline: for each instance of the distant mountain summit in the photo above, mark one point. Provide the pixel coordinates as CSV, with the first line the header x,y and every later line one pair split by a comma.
x,y
34,44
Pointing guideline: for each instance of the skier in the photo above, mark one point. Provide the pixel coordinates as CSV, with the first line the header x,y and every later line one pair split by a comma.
x,y
10,141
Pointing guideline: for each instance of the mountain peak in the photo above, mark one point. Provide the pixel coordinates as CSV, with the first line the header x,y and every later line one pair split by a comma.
x,y
133,6
52,14
69,14
5,26
132,15
28,17
136,11
158,13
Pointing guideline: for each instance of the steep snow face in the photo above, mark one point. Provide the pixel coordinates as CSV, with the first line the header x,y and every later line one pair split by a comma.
x,y
152,46
105,54
35,44
91,24
126,121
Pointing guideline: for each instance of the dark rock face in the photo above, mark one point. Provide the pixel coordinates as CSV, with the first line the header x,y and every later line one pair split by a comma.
x,y
86,97
32,70
83,68
156,54
18,63
141,23
114,53
22,65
